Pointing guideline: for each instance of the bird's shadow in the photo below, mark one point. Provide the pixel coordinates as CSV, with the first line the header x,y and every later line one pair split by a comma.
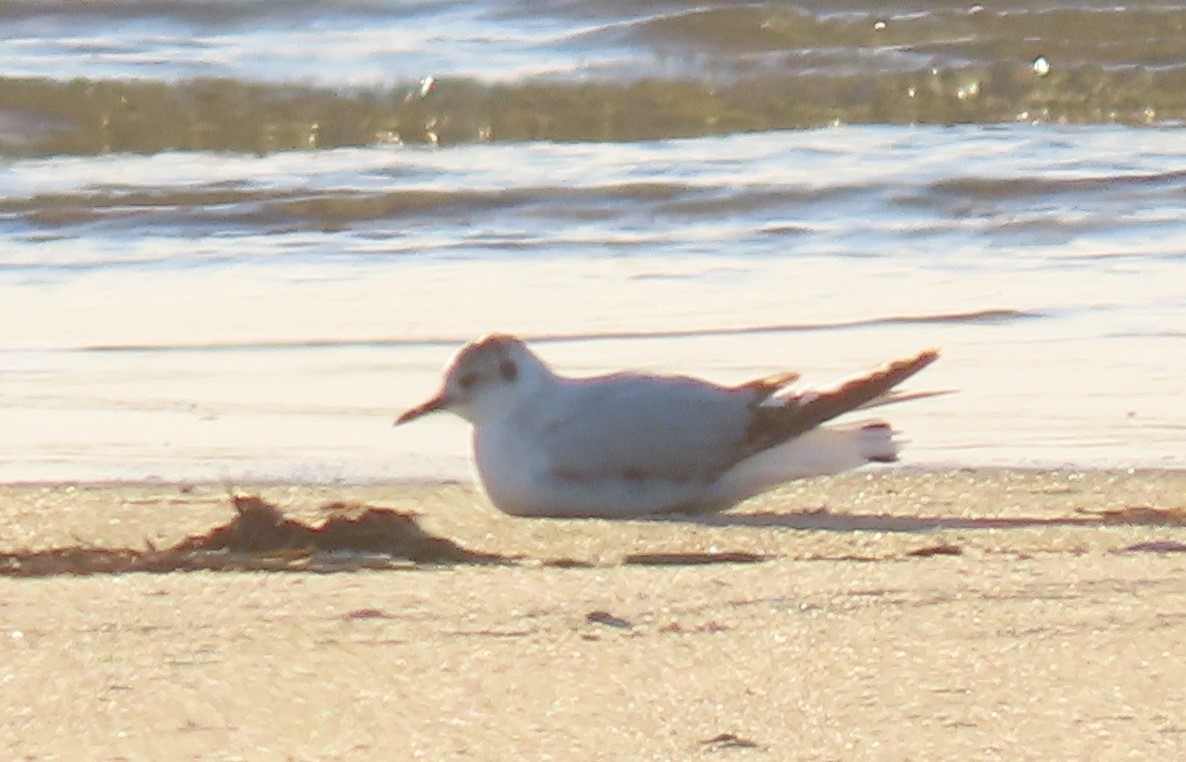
x,y
823,520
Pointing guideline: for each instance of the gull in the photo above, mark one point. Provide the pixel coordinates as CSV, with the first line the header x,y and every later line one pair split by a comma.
x,y
635,444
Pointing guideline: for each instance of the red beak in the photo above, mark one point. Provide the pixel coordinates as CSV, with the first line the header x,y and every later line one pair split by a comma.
x,y
439,402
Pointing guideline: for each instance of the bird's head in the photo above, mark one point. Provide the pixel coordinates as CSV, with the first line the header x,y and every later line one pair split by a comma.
x,y
484,378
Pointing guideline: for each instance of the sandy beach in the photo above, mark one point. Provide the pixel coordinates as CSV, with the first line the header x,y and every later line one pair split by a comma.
x,y
885,615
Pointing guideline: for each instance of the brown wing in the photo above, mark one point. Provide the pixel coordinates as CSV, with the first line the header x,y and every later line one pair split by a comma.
x,y
772,425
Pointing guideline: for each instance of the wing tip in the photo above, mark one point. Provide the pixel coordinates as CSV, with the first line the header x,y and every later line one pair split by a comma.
x,y
767,385
921,360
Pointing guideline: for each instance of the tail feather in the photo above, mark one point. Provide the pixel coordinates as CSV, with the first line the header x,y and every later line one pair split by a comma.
x,y
877,442
786,441
821,452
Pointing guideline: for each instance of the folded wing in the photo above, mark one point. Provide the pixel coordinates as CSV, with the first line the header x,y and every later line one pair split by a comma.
x,y
650,427
633,426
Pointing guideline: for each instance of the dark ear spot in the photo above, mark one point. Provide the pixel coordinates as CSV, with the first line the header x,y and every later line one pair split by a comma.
x,y
509,370
467,380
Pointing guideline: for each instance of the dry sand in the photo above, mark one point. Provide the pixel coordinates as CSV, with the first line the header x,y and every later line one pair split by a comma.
x,y
1052,634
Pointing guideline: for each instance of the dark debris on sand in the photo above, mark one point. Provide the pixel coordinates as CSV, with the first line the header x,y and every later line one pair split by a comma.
x,y
1142,515
260,537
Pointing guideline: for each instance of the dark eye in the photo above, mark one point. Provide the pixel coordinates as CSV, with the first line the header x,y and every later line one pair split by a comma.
x,y
509,370
467,380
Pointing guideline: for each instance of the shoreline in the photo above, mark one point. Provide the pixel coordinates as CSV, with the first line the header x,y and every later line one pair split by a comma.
x,y
445,481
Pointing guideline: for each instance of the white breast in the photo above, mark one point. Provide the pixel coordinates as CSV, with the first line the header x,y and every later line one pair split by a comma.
x,y
509,467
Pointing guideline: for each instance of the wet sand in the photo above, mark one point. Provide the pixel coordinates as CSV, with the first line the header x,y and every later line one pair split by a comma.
x,y
897,615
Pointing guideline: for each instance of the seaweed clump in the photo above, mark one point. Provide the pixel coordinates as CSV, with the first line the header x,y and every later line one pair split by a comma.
x,y
261,537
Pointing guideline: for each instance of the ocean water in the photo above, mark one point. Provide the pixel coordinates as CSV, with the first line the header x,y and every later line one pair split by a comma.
x,y
237,239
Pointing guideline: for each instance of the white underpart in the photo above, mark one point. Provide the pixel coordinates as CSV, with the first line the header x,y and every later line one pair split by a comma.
x,y
517,476
821,452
